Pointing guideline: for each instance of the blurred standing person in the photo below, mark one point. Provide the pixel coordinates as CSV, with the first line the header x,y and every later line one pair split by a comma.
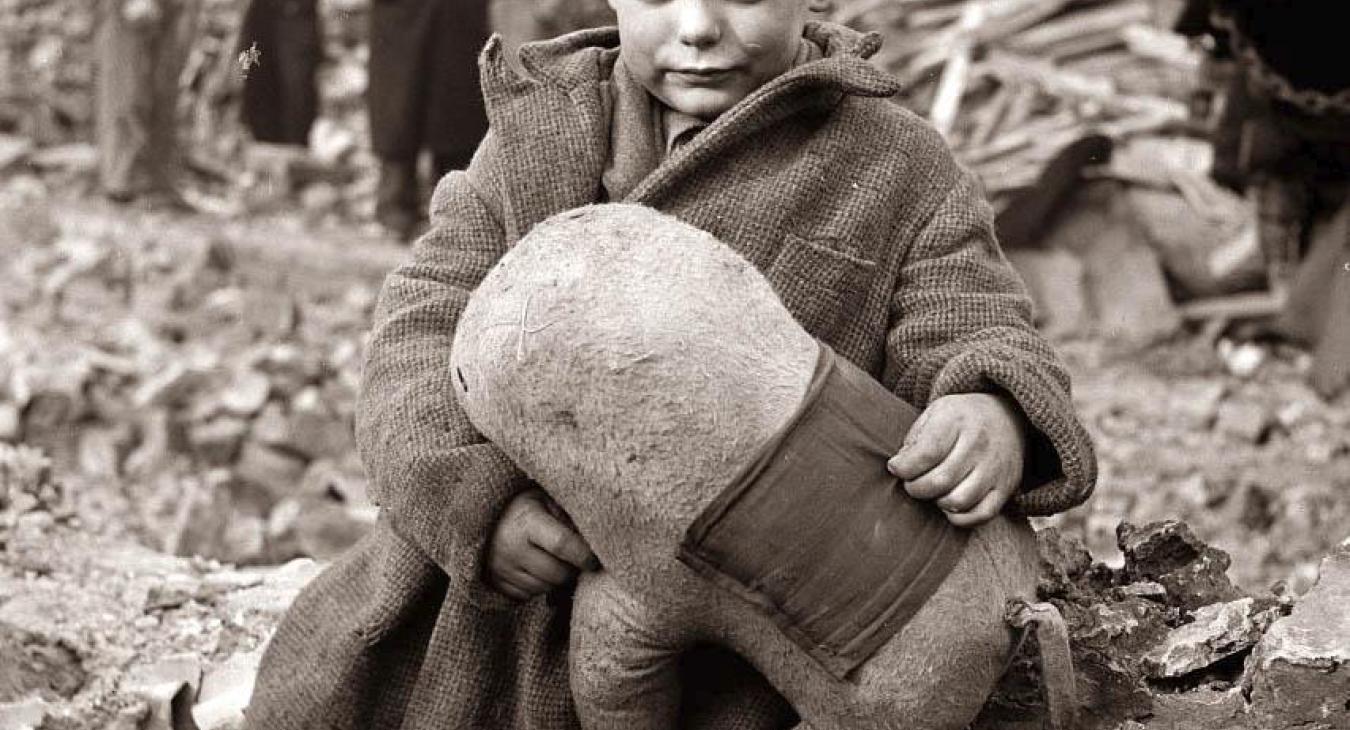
x,y
423,94
142,46
281,93
522,21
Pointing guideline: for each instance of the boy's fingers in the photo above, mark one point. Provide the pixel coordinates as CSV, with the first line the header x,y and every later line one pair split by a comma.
x,y
560,541
543,566
966,494
927,447
510,589
941,479
986,510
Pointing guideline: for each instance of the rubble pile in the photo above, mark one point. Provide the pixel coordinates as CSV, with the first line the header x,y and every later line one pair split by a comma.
x,y
105,634
1244,450
221,407
1096,114
1011,82
1168,641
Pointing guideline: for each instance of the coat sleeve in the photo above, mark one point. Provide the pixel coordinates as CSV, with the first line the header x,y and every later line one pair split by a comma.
x,y
961,323
441,484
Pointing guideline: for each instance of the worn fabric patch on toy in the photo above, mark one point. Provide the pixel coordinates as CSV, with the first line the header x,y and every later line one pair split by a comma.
x,y
818,534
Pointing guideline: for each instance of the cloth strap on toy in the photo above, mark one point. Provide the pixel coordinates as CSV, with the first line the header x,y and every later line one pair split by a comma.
x,y
818,534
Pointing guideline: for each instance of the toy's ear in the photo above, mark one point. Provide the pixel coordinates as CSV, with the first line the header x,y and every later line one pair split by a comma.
x,y
820,6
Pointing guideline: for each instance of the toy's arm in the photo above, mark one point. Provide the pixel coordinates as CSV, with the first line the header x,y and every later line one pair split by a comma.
x,y
442,485
961,323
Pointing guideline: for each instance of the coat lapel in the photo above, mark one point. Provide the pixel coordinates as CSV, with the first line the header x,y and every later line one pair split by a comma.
x,y
558,133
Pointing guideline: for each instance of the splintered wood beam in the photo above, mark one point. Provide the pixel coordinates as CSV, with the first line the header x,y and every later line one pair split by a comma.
x,y
952,85
1236,306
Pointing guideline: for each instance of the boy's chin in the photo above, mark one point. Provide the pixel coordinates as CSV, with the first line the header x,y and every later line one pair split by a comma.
x,y
704,104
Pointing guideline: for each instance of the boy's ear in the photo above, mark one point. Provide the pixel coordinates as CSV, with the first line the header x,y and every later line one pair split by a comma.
x,y
820,6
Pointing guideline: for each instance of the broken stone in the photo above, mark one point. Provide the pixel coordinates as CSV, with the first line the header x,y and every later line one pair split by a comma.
x,y
278,591
1195,404
243,540
289,367
172,592
1064,560
1193,573
10,423
1242,360
23,715
1243,420
1143,589
1199,709
332,482
1217,632
315,430
37,664
246,395
217,441
225,692
102,449
168,387
167,687
1124,629
1300,671
275,471
271,426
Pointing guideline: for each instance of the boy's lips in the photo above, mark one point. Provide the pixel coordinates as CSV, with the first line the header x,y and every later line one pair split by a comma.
x,y
701,75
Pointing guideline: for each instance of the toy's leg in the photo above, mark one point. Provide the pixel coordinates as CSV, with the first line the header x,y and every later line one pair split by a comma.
x,y
937,672
624,671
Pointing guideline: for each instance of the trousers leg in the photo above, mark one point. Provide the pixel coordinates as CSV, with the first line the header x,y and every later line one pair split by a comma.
x,y
123,103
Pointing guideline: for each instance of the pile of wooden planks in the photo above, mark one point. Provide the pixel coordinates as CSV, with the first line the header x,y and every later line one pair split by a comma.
x,y
1011,82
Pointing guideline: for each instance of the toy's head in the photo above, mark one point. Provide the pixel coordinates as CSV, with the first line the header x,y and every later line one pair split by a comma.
x,y
622,357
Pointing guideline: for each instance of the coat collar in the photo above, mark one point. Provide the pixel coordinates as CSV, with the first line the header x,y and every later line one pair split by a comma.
x,y
587,56
558,95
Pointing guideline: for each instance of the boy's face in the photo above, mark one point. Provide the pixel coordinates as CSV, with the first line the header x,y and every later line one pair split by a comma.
x,y
700,57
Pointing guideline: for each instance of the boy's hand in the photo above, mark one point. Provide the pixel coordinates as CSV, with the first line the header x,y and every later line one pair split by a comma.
x,y
966,452
534,549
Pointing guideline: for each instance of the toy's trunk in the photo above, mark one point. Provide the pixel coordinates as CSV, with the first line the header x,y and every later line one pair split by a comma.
x,y
633,366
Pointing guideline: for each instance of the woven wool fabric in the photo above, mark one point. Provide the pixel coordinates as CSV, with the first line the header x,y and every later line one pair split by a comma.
x,y
874,238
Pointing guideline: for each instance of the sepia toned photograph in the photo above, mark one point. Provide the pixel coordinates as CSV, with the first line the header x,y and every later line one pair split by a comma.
x,y
674,365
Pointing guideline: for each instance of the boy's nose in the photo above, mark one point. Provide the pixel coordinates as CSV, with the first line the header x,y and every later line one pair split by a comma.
x,y
698,23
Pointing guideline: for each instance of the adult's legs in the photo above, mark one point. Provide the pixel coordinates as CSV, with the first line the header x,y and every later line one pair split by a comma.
x,y
401,32
123,103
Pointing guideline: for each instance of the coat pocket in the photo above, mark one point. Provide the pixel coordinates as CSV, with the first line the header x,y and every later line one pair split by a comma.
x,y
820,284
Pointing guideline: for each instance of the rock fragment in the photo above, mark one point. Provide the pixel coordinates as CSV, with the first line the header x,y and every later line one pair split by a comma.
x,y
1300,671
1243,420
1193,573
1216,632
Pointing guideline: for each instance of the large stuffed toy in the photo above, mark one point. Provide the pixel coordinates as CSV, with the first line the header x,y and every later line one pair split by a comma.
x,y
729,472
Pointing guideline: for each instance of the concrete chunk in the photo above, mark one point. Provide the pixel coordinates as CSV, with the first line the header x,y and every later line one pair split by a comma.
x,y
1300,672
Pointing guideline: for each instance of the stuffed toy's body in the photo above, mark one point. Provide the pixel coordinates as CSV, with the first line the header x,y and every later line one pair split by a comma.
x,y
652,382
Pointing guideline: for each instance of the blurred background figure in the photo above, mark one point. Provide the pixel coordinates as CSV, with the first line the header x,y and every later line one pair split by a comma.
x,y
1283,133
423,95
281,93
522,21
142,46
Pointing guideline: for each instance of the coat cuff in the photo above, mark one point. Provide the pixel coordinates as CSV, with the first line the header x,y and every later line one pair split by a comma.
x,y
1061,469
469,488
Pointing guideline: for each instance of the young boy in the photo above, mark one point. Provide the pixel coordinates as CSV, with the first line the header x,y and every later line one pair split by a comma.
x,y
776,136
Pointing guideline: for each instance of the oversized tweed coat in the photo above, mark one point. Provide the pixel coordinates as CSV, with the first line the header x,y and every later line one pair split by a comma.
x,y
855,211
